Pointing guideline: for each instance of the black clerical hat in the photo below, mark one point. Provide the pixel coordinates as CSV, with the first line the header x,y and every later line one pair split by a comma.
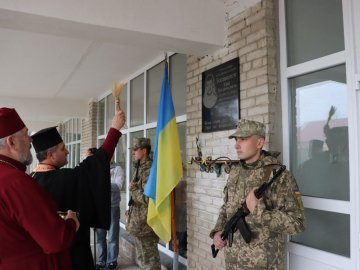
x,y
45,139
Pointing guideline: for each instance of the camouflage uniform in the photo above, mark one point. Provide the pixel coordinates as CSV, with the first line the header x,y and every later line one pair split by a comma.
x,y
147,254
278,213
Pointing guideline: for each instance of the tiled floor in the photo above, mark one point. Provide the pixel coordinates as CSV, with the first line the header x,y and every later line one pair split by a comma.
x,y
129,264
126,264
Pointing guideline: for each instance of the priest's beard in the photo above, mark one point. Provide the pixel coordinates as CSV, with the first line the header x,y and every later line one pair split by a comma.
x,y
26,158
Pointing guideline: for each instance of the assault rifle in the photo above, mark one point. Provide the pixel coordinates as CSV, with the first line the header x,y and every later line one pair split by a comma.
x,y
237,221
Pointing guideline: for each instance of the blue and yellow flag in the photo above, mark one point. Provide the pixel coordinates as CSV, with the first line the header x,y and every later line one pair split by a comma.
x,y
166,170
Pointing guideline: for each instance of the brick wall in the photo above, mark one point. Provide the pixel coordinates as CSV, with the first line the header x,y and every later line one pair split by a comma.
x,y
88,133
251,37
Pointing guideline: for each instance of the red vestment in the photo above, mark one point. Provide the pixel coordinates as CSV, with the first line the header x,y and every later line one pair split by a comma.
x,y
32,235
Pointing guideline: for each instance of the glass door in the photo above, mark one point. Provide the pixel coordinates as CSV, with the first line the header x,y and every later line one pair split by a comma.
x,y
316,118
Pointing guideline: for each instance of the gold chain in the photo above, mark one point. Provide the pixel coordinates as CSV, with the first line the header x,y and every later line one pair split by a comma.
x,y
8,163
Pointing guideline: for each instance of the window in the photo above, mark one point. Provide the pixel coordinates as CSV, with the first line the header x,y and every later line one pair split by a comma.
x,y
110,110
327,231
147,84
315,70
177,74
101,117
137,101
314,29
320,156
71,134
120,159
320,160
154,83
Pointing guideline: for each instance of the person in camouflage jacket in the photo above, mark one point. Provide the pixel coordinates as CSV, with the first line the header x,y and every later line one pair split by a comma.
x,y
147,254
278,213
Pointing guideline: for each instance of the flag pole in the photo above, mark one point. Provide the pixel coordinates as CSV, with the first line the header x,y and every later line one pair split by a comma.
x,y
173,223
173,229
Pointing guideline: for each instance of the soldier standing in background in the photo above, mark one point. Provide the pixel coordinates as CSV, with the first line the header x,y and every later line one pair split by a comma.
x,y
147,254
278,213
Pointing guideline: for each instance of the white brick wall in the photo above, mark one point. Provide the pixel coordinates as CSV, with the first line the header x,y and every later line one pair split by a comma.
x,y
88,135
251,37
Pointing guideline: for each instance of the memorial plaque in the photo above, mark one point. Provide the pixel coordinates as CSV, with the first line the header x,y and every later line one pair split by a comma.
x,y
221,97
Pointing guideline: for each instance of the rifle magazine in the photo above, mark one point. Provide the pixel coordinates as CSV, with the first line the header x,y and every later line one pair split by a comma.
x,y
244,230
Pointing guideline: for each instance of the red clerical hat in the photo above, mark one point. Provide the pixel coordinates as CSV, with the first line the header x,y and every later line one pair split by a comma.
x,y
10,122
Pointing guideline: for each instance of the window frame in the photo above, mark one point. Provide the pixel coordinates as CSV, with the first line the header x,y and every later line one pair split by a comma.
x,y
346,207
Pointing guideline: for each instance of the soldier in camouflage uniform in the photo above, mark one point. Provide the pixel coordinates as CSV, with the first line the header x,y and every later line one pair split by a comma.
x,y
147,254
278,213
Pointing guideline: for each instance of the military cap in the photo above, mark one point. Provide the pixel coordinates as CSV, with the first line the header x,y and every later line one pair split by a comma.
x,y
246,128
45,139
10,122
141,143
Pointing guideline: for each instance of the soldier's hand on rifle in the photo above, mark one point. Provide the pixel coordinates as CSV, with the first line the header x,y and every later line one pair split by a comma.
x,y
218,242
251,200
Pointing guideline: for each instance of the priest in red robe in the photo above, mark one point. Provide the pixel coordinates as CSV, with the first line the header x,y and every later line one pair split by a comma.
x,y
33,236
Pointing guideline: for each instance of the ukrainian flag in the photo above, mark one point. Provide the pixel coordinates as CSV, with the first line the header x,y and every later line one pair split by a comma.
x,y
166,170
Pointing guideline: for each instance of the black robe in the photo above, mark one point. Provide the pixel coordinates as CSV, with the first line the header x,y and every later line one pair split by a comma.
x,y
85,189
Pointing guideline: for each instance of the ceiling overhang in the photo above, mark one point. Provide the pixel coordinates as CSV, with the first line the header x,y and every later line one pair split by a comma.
x,y
58,55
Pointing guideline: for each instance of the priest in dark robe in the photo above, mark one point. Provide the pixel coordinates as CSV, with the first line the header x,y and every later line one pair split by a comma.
x,y
32,235
84,189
